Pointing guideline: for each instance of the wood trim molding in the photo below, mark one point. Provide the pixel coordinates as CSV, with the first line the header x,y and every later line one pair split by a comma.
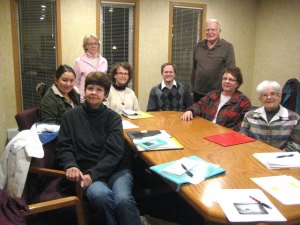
x,y
183,4
58,34
16,54
136,36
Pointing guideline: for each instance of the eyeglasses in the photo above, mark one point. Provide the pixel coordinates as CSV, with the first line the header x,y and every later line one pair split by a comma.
x,y
122,74
211,30
93,43
271,95
228,79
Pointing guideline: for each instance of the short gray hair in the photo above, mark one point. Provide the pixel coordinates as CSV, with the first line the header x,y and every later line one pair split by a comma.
x,y
214,21
268,83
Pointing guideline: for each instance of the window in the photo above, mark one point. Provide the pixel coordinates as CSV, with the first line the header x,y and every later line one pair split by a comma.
x,y
117,33
37,47
187,23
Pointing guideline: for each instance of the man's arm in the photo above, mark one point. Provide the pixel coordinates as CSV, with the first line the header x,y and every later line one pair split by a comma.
x,y
230,57
152,101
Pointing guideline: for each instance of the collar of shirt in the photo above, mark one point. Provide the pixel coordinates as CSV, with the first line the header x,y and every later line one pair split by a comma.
x,y
56,91
282,113
163,85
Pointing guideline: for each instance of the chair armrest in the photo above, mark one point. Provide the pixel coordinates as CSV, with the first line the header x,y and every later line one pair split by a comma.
x,y
48,172
51,205
56,173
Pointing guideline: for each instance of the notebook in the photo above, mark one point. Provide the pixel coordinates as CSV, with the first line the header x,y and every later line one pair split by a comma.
x,y
230,138
151,140
201,168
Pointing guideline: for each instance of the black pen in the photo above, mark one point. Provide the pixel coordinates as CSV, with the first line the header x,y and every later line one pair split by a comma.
x,y
187,171
261,203
283,156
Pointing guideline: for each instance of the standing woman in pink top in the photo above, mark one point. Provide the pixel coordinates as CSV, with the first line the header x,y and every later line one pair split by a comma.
x,y
90,61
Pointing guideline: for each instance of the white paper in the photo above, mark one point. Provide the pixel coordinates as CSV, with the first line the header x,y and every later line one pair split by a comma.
x,y
177,169
239,207
277,160
195,167
285,188
128,125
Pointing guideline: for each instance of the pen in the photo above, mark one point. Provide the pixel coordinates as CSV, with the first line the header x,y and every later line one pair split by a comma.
x,y
187,171
283,156
261,203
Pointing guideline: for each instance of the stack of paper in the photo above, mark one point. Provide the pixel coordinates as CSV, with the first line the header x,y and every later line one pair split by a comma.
x,y
190,169
278,160
285,188
150,140
131,114
247,205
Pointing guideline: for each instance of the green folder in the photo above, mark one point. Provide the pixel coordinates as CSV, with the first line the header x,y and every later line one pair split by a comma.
x,y
211,171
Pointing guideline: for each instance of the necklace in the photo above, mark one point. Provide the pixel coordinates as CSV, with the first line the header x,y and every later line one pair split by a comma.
x,y
122,100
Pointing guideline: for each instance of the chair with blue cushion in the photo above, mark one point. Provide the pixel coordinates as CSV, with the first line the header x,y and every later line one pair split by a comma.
x,y
50,201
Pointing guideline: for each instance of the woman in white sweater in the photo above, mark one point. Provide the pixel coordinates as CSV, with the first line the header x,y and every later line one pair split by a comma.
x,y
120,96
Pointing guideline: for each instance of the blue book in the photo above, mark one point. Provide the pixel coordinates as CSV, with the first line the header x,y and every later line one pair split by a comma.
x,y
209,170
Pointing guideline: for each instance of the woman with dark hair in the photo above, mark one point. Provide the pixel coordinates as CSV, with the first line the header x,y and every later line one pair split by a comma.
x,y
60,97
90,148
120,96
226,107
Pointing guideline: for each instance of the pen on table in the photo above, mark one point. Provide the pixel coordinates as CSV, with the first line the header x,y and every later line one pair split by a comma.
x,y
260,202
283,156
187,171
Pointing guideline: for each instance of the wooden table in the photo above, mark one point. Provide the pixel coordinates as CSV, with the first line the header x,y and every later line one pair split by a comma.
x,y
237,160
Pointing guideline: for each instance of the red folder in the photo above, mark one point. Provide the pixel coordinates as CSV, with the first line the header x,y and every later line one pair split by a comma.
x,y
228,139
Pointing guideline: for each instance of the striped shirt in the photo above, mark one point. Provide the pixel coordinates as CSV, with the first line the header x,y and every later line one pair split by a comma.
x,y
282,131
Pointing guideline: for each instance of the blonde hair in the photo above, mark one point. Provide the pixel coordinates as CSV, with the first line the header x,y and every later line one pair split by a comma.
x,y
87,38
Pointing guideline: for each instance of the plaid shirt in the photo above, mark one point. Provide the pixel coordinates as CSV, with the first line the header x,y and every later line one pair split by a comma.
x,y
230,115
283,131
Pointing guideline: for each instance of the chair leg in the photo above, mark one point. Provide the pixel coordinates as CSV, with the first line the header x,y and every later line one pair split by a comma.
x,y
79,212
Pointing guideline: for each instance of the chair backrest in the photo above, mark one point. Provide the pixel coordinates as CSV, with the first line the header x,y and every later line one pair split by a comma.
x,y
27,118
291,95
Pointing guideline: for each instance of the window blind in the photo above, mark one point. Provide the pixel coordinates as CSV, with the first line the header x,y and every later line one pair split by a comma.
x,y
117,29
37,39
186,33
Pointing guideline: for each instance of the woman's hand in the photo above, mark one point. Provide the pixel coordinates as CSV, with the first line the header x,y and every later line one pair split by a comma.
x,y
87,180
74,174
188,115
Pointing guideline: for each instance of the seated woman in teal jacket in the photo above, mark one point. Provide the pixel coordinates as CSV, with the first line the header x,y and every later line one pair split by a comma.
x,y
60,97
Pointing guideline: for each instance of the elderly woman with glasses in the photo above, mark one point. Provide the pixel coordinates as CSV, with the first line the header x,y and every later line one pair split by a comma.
x,y
120,96
225,107
272,123
90,61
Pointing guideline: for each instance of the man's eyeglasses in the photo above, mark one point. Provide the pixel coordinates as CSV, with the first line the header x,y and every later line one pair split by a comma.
x,y
271,95
228,79
211,30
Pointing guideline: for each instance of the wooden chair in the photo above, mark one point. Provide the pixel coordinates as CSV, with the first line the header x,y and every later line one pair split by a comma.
x,y
47,166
